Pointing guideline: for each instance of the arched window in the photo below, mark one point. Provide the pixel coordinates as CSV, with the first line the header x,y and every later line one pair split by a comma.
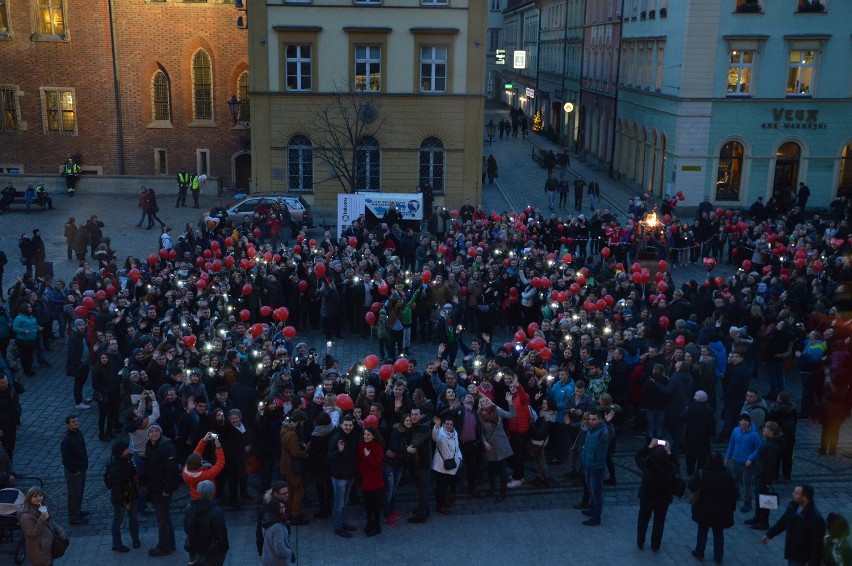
x,y
432,164
202,86
300,164
243,96
368,165
729,174
844,185
161,108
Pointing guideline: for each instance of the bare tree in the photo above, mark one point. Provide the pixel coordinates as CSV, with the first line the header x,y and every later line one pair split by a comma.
x,y
340,126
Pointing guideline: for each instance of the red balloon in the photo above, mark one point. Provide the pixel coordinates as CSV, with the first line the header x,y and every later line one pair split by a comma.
x,y
662,286
111,291
605,252
799,263
818,266
513,291
531,329
680,341
297,249
229,242
719,281
353,241
746,265
265,310
544,282
376,307
401,365
189,341
520,336
89,303
100,295
152,259
442,249
589,306
601,304
370,318
247,289
546,354
383,289
214,245
344,402
635,267
581,280
426,277
164,253
471,251
300,238
535,282
289,332
667,218
244,263
537,343
658,277
135,275
709,263
563,296
267,257
767,269
312,243
208,254
172,253
217,265
371,362
245,315
303,286
386,372
567,259
609,300
81,312
201,284
251,252
664,321
319,269
257,329
662,265
637,277
229,261
574,288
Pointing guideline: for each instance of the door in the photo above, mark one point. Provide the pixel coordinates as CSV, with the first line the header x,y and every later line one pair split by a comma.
x,y
786,173
242,172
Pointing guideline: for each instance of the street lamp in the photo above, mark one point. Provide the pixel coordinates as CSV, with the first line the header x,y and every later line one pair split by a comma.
x,y
235,108
490,127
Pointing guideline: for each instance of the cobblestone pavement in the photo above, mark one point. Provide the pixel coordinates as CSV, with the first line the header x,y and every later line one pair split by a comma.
x,y
536,526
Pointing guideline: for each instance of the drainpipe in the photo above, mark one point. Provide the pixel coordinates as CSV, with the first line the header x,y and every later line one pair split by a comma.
x,y
119,126
617,81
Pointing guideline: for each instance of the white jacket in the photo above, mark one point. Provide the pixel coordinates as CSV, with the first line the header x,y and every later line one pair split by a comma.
x,y
446,447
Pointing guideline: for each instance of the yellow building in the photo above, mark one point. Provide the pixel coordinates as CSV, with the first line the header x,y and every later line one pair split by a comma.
x,y
401,83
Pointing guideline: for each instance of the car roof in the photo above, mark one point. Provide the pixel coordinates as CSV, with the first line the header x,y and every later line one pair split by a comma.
x,y
290,200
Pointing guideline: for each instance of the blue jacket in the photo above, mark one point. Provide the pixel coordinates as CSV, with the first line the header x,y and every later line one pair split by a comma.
x,y
743,445
721,355
595,449
561,394
22,324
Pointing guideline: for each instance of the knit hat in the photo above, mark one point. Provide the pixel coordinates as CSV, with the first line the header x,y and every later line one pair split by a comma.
x,y
319,394
236,412
206,489
155,426
700,396
79,322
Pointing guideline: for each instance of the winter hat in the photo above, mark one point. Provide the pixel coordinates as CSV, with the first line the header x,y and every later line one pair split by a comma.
x,y
155,426
319,395
236,412
79,322
700,396
206,489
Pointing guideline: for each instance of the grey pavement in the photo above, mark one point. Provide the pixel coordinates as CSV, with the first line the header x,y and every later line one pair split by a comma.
x,y
535,526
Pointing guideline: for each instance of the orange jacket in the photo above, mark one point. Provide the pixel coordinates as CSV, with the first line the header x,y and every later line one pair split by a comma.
x,y
193,477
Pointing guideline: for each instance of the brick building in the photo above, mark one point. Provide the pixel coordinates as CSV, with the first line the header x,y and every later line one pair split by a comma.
x,y
167,68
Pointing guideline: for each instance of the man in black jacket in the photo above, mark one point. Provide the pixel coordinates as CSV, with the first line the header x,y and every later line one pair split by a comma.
x,y
805,529
343,461
161,479
205,528
77,362
420,461
75,460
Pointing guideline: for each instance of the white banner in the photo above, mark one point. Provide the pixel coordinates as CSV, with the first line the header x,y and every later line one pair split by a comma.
x,y
410,205
349,208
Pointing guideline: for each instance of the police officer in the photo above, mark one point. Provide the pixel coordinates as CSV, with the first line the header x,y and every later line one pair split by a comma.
x,y
195,186
42,197
71,171
184,181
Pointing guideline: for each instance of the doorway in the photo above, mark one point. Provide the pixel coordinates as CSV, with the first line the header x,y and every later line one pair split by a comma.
x,y
242,172
786,173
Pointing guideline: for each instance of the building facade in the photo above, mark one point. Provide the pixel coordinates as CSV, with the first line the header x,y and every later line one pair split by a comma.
x,y
496,59
135,88
736,102
407,75
520,86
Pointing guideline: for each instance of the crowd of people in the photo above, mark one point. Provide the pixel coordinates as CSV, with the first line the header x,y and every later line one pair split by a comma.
x,y
200,376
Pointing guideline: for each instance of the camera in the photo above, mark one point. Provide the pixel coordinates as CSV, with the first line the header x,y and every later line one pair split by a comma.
x,y
661,443
214,436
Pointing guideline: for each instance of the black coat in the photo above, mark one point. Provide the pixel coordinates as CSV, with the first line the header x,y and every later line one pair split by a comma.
x,y
700,427
74,456
121,472
204,525
769,458
161,468
804,534
657,477
343,465
717,500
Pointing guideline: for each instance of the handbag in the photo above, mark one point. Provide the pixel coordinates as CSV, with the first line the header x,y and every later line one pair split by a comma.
x,y
449,463
59,545
768,500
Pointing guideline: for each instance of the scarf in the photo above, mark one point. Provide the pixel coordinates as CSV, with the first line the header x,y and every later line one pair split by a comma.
x,y
488,414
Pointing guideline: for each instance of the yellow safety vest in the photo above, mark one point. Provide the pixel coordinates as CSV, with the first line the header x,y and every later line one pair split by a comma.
x,y
195,186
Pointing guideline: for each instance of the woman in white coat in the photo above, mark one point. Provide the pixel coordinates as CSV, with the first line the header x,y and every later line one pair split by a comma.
x,y
446,460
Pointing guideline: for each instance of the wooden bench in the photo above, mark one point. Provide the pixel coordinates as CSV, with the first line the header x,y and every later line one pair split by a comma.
x,y
19,200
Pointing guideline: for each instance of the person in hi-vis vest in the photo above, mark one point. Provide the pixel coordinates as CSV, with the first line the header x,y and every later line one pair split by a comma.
x,y
184,180
71,172
195,186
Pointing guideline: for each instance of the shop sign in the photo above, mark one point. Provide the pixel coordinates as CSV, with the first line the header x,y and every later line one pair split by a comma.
x,y
792,119
520,59
530,92
500,54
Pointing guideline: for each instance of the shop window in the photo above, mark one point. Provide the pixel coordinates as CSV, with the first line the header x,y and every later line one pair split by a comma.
x,y
740,72
729,173
800,73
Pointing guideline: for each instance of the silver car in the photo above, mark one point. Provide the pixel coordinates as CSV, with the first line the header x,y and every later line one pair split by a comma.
x,y
300,212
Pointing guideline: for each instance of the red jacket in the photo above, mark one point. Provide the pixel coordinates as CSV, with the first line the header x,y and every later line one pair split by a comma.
x,y
370,465
520,423
193,477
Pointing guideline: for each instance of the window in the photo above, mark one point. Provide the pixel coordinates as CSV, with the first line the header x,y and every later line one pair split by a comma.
x,y
433,68
59,114
202,161
740,66
496,5
368,68
367,165
432,164
161,165
51,17
160,104
800,73
658,79
729,173
202,86
649,52
812,6
844,185
9,109
298,67
244,114
368,2
300,164
4,19
493,39
433,2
